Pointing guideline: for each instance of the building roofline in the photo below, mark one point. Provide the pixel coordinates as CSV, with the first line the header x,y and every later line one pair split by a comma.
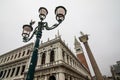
x,y
58,39
47,43
16,49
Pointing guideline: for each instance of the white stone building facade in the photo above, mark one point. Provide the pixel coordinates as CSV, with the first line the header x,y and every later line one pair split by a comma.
x,y
55,62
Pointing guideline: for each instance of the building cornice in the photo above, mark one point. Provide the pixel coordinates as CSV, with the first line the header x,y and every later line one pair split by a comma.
x,y
17,49
15,61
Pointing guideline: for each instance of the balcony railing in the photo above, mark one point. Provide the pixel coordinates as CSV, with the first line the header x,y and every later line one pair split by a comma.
x,y
51,64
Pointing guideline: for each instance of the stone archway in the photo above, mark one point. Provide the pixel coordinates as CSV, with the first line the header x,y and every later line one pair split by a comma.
x,y
52,77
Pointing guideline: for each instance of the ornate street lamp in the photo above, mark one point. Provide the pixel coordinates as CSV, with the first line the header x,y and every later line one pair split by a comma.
x,y
43,13
26,31
60,13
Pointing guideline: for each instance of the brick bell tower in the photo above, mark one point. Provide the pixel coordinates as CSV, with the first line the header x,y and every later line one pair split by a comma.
x,y
80,54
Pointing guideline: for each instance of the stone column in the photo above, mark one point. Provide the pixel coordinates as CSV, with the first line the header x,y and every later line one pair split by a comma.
x,y
56,54
61,76
84,39
28,62
59,52
73,78
47,59
39,60
46,77
68,77
57,76
35,78
69,60
65,57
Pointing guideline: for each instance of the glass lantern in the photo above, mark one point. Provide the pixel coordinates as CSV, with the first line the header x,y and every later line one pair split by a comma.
x,y
43,12
26,31
60,13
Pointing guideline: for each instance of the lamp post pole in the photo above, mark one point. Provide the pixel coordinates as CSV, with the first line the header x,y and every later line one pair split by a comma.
x,y
60,12
33,62
84,39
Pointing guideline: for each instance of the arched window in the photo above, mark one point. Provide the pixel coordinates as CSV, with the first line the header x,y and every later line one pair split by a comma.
x,y
70,78
52,56
19,55
1,73
2,60
23,53
28,52
67,59
4,73
5,59
23,69
11,57
8,73
43,58
15,56
13,70
17,72
70,61
63,54
52,78
8,58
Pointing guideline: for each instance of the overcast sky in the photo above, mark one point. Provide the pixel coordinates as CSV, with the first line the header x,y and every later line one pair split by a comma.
x,y
98,18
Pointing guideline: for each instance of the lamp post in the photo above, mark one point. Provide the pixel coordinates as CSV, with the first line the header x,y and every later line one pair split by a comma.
x,y
60,13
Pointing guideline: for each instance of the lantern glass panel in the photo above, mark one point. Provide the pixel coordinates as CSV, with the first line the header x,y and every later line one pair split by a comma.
x,y
59,18
26,30
60,10
43,12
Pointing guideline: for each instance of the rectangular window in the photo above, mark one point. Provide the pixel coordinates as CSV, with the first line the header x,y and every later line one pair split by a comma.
x,y
43,58
1,73
23,53
8,58
63,54
23,69
19,55
13,70
8,73
17,72
15,56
